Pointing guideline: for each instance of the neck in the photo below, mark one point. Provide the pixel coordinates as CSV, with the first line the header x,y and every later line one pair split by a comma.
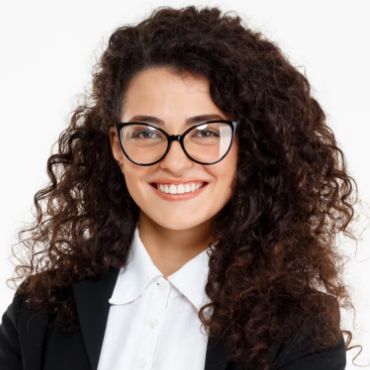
x,y
170,249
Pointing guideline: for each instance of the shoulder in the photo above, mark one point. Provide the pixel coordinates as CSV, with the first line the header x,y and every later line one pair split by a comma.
x,y
301,355
10,318
18,314
300,352
10,350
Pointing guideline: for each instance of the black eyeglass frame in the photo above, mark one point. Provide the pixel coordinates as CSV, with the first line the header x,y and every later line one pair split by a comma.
x,y
180,138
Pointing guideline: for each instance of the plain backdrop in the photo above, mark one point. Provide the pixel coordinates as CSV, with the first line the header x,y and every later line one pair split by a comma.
x,y
48,50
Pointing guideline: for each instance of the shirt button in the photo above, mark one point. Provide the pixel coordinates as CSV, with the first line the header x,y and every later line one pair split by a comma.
x,y
154,323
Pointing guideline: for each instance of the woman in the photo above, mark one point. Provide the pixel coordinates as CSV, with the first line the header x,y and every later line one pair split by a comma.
x,y
213,252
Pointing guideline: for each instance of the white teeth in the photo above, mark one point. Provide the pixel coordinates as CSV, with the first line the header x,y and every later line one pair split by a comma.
x,y
179,189
174,188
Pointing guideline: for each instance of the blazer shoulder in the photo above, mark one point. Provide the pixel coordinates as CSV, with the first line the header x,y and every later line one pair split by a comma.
x,y
22,333
10,350
10,318
300,353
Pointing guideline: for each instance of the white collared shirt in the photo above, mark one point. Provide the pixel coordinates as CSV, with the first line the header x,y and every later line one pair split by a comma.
x,y
153,322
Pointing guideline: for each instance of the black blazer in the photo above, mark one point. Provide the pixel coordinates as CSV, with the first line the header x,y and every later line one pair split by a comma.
x,y
28,343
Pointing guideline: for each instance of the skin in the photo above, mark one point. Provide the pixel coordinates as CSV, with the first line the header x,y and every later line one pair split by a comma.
x,y
173,232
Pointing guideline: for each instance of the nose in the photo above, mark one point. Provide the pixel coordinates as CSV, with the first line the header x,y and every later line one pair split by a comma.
x,y
176,159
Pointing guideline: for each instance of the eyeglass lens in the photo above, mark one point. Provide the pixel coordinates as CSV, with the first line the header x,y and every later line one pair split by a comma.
x,y
205,143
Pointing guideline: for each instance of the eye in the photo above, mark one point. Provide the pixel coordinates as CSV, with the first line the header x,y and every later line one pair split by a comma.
x,y
208,133
144,134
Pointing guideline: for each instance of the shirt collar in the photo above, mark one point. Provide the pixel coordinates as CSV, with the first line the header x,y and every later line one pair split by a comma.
x,y
140,270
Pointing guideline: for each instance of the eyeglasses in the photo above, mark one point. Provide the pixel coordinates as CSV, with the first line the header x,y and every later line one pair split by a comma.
x,y
204,143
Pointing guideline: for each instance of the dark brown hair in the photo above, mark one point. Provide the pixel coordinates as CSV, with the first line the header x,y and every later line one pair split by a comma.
x,y
275,270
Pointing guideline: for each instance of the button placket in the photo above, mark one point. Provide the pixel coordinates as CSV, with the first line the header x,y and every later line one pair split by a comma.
x,y
151,333
163,287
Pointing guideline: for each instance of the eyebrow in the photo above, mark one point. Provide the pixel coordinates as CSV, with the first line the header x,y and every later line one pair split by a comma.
x,y
188,121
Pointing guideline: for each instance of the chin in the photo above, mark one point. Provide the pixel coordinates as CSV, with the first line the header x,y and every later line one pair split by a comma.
x,y
178,224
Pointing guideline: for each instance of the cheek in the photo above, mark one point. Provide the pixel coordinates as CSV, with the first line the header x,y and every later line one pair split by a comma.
x,y
227,168
133,175
226,175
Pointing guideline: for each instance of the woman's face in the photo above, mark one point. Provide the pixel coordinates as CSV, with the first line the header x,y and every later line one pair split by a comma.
x,y
161,93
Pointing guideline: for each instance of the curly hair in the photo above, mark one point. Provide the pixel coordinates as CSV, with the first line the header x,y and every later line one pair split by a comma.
x,y
275,270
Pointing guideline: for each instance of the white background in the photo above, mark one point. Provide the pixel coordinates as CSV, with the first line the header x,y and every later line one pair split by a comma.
x,y
47,53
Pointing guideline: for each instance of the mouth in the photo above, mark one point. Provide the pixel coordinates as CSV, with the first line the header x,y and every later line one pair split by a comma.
x,y
180,196
155,185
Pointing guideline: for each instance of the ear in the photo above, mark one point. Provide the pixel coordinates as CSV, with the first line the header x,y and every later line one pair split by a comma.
x,y
115,146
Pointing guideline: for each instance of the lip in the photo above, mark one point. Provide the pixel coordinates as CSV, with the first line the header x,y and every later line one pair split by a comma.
x,y
181,181
175,197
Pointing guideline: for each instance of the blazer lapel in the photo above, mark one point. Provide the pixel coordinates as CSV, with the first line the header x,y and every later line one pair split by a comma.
x,y
216,355
32,328
91,299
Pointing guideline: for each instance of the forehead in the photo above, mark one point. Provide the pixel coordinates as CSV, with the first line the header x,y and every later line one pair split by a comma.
x,y
162,90
169,76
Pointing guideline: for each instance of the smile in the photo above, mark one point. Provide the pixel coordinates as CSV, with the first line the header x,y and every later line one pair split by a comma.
x,y
178,192
179,188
